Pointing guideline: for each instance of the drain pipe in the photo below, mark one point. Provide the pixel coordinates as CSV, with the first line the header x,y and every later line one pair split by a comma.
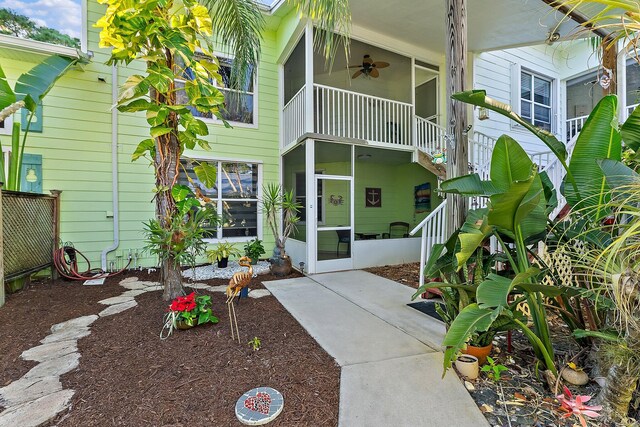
x,y
114,168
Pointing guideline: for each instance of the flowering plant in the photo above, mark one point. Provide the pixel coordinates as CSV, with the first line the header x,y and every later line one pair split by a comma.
x,y
188,311
576,406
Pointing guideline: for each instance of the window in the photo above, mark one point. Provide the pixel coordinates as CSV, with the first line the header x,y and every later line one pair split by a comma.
x,y
235,196
301,196
535,100
239,104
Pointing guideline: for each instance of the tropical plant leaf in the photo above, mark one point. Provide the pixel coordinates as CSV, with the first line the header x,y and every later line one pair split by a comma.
x,y
471,319
509,163
468,185
630,130
144,146
33,85
480,99
7,96
471,239
617,174
206,173
603,335
598,139
180,192
494,291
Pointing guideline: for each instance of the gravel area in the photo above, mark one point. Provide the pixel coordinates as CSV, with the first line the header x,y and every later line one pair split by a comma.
x,y
212,271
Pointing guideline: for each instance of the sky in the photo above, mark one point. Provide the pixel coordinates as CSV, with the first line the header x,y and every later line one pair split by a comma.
x,y
63,15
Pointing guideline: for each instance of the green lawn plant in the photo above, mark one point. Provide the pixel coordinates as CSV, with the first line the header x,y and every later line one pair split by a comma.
x,y
221,251
493,370
28,92
254,250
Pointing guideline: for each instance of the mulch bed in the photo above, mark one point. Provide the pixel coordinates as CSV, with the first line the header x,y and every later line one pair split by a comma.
x,y
128,376
520,398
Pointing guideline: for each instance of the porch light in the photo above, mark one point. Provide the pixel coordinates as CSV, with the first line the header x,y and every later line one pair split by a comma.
x,y
31,175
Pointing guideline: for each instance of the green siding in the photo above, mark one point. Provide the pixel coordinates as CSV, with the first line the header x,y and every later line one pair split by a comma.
x,y
76,146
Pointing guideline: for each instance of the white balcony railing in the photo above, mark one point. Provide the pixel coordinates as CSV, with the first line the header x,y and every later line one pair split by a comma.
x,y
293,118
353,115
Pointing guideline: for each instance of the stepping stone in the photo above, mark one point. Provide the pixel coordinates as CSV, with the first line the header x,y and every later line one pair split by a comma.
x,y
259,293
134,292
70,334
116,300
49,351
259,406
78,322
219,288
154,288
134,285
36,412
54,367
198,286
150,284
129,280
27,389
118,308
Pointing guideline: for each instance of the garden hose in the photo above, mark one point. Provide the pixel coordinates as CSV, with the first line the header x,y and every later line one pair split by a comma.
x,y
65,259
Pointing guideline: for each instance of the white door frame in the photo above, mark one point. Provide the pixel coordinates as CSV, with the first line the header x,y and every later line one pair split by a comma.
x,y
323,266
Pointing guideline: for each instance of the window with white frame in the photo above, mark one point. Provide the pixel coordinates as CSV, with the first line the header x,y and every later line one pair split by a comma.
x,y
239,105
536,100
235,196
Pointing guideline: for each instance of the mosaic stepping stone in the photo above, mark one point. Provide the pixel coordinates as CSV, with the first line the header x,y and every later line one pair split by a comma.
x,y
259,406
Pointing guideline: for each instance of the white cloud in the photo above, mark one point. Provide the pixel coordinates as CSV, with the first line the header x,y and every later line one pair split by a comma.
x,y
63,15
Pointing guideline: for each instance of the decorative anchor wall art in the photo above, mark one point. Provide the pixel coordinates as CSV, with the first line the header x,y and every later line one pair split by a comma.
x,y
373,197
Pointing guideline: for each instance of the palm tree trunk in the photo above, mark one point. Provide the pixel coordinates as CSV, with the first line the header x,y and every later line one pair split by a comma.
x,y
618,391
167,163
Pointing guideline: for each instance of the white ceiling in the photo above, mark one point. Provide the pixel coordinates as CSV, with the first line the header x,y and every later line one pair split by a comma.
x,y
492,24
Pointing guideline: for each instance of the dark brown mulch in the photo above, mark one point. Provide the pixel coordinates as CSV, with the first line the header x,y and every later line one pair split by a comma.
x,y
128,376
29,314
406,274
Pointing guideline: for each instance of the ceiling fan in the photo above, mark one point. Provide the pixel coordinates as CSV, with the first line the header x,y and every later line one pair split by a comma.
x,y
369,68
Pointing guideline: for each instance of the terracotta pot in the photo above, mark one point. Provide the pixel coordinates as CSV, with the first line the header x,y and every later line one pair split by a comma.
x,y
467,365
480,352
280,266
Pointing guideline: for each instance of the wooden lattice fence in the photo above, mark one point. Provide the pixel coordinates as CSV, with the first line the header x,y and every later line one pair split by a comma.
x,y
30,233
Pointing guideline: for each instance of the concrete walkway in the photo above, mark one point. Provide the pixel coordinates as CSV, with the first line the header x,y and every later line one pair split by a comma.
x,y
389,352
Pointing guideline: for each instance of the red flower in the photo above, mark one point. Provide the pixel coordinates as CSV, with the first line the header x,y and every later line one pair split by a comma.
x,y
186,303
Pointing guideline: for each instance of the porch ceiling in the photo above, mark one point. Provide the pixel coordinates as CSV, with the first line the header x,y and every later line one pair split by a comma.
x,y
493,24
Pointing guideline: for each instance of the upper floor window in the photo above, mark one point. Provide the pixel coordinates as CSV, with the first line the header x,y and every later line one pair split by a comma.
x,y
536,100
239,104
49,22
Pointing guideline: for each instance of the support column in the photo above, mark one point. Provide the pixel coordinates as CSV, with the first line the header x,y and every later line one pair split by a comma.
x,y
309,114
457,143
1,253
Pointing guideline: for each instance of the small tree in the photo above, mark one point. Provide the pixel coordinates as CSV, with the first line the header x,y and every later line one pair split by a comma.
x,y
166,35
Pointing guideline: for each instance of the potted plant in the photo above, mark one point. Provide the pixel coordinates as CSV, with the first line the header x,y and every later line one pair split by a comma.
x,y
254,249
221,253
281,211
186,312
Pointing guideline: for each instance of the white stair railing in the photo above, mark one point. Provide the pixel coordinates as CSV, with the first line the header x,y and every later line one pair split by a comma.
x,y
429,135
433,232
481,148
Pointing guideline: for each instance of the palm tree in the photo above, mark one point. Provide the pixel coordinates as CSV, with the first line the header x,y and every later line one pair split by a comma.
x,y
160,34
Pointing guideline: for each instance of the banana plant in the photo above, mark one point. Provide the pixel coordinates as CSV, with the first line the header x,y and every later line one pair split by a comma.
x,y
518,199
29,91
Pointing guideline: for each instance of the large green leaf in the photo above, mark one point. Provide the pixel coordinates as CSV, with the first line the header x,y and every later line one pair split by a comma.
x,y
509,163
7,96
33,85
471,319
630,130
494,291
468,185
206,173
598,139
480,99
618,174
471,238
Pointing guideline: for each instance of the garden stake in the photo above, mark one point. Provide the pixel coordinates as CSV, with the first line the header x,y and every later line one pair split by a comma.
x,y
238,282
